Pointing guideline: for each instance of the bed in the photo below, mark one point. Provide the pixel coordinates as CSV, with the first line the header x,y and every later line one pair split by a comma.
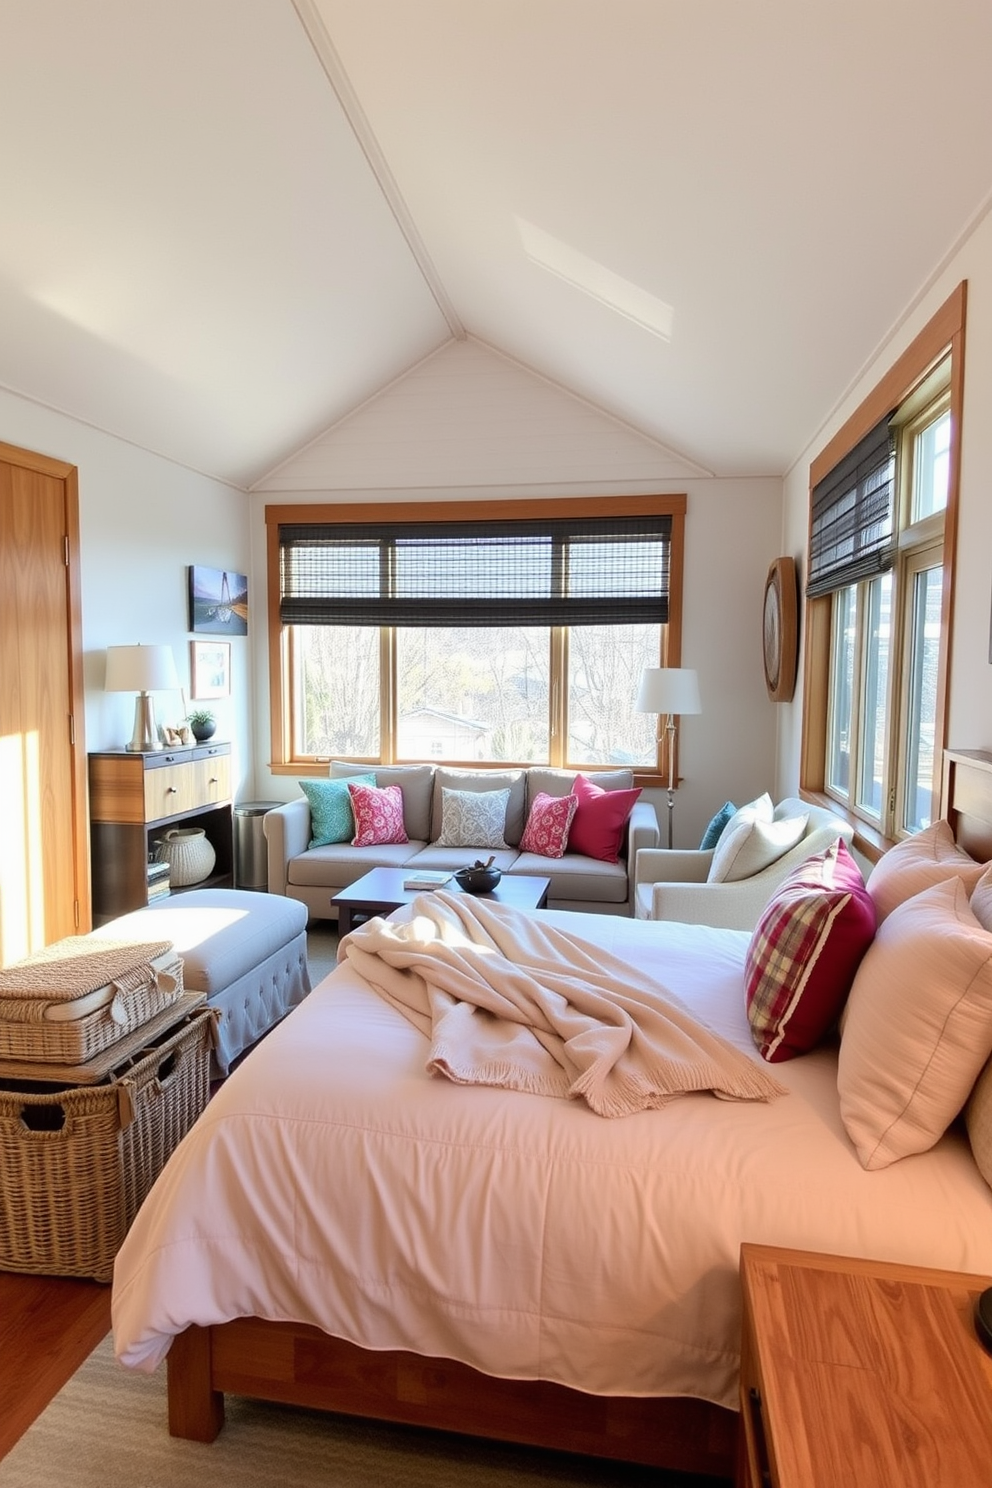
x,y
342,1230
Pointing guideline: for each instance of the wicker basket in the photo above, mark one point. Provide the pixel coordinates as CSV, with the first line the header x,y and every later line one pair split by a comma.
x,y
149,980
76,1163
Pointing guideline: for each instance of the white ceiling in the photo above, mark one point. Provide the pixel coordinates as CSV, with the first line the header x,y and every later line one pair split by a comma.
x,y
225,224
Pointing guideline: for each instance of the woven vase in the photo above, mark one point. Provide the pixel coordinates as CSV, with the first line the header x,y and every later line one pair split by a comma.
x,y
189,854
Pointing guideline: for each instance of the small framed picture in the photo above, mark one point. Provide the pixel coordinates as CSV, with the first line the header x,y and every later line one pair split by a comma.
x,y
218,601
210,669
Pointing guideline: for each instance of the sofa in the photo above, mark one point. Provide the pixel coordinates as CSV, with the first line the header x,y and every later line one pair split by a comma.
x,y
579,880
674,884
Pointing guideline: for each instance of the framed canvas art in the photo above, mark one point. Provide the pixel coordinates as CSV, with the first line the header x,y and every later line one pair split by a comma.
x,y
210,669
218,601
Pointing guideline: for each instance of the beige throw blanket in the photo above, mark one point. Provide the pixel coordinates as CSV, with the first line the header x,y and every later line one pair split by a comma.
x,y
507,999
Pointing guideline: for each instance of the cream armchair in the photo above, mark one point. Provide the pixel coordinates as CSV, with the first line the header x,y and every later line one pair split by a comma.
x,y
671,883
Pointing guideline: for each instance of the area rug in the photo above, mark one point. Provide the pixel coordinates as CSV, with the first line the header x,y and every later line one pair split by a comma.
x,y
107,1429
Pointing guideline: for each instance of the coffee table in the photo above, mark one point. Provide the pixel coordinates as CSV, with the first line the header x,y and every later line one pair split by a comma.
x,y
381,890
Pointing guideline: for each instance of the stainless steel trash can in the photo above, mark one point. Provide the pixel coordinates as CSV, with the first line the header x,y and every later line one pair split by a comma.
x,y
251,864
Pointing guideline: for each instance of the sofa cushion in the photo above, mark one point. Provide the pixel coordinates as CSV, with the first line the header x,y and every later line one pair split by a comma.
x,y
415,781
378,814
577,878
714,830
548,821
753,840
331,816
450,778
544,780
340,864
473,818
598,825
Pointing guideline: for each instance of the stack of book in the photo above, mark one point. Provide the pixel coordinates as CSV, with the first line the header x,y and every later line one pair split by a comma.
x,y
158,881
426,879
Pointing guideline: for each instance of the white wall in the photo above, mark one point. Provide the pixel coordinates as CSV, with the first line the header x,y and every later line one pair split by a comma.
x,y
142,520
470,425
970,681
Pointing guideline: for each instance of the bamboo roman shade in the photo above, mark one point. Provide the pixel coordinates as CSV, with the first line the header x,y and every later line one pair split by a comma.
x,y
852,532
588,571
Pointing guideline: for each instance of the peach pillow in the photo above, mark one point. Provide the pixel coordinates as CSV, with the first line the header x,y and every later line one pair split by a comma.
x,y
981,899
918,1026
926,858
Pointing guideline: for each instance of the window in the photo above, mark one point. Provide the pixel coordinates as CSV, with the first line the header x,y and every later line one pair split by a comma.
x,y
882,525
434,634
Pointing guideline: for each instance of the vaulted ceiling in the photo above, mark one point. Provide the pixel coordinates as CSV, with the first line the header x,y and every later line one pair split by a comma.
x,y
226,224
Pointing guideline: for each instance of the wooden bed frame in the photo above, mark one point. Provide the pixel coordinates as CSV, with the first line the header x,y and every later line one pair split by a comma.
x,y
299,1365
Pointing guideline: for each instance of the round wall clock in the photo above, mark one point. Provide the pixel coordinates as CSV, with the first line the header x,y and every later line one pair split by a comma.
x,y
779,630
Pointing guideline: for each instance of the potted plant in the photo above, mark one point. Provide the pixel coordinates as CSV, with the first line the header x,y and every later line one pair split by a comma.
x,y
202,722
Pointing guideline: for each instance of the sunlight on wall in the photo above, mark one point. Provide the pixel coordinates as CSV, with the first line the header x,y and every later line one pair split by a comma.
x,y
22,888
595,279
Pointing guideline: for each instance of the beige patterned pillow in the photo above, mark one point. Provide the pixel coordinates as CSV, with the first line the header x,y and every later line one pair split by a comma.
x,y
473,818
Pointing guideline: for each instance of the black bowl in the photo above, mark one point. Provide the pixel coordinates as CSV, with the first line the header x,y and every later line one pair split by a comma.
x,y
478,880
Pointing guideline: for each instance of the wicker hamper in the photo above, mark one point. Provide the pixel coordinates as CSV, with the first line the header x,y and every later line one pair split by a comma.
x,y
76,1162
82,995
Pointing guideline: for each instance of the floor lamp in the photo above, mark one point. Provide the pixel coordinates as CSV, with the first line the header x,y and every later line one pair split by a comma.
x,y
669,691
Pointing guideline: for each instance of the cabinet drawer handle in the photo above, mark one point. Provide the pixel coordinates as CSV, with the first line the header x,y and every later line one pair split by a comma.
x,y
213,780
170,790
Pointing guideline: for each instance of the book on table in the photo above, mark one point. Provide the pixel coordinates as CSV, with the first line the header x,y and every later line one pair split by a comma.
x,y
427,879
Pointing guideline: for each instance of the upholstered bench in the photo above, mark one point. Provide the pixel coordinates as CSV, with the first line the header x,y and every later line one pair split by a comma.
x,y
246,951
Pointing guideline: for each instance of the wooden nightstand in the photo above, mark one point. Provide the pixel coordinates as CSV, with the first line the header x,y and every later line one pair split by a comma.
x,y
859,1374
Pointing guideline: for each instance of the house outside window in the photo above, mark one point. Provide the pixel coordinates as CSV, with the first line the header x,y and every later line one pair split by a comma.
x,y
444,683
879,588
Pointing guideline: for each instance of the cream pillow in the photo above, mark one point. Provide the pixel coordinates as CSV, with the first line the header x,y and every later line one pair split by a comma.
x,y
926,858
753,840
918,1026
981,899
978,1121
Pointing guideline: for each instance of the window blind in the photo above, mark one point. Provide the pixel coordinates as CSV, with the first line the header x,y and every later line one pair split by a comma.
x,y
852,532
589,571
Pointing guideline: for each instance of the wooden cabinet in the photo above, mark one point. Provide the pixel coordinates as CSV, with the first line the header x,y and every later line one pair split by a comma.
x,y
860,1372
134,798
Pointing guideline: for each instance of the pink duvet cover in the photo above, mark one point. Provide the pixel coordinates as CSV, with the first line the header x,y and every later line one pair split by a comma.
x,y
332,1181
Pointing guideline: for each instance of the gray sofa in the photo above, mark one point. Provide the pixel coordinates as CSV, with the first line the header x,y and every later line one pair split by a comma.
x,y
313,874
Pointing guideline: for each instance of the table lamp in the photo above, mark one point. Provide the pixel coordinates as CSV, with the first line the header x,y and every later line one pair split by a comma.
x,y
143,670
669,690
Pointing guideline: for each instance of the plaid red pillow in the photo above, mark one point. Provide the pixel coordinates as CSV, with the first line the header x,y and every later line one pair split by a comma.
x,y
804,952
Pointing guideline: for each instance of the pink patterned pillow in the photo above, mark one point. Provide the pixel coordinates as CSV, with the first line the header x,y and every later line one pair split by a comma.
x,y
378,814
547,826
805,951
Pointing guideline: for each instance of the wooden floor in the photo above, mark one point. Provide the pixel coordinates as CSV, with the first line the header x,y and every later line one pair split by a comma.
x,y
48,1326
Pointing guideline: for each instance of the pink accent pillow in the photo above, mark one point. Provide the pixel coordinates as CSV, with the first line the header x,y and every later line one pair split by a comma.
x,y
378,814
597,827
917,862
548,824
918,1026
804,953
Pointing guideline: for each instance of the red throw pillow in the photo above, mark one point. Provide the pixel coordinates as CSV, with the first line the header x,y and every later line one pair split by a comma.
x,y
597,828
805,951
547,826
378,814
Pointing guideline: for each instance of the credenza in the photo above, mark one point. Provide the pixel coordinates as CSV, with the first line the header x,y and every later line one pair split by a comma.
x,y
134,798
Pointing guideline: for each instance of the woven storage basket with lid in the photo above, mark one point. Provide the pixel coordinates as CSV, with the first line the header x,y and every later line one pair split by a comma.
x,y
189,854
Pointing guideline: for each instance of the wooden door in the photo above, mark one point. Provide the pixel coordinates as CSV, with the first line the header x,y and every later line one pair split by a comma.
x,y
44,845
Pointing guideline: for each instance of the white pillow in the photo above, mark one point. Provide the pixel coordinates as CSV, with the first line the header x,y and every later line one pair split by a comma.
x,y
473,818
753,840
918,1025
981,899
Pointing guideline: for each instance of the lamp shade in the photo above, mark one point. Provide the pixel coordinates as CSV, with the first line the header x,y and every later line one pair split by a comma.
x,y
668,690
141,669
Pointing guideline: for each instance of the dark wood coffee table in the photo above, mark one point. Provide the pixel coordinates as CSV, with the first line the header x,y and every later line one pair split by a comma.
x,y
381,891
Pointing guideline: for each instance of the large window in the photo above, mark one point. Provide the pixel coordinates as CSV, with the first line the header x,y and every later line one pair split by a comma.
x,y
882,527
516,638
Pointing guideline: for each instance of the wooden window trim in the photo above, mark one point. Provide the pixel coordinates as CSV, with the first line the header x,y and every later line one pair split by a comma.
x,y
281,761
943,333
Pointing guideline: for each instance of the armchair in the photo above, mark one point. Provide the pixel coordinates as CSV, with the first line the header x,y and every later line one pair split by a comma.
x,y
671,884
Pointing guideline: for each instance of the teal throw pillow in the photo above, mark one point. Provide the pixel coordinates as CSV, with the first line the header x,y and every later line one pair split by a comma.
x,y
331,816
713,832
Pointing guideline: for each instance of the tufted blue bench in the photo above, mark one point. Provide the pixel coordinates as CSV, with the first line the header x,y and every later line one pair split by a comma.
x,y
246,951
